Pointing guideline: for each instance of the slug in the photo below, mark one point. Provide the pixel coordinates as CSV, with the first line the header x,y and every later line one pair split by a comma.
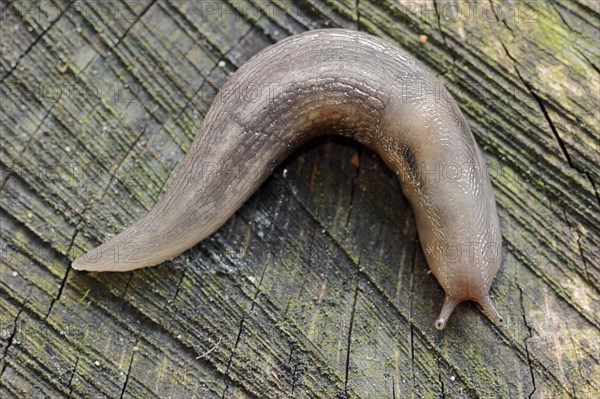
x,y
331,81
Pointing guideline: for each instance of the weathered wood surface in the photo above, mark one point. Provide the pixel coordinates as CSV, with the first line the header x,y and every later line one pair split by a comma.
x,y
317,288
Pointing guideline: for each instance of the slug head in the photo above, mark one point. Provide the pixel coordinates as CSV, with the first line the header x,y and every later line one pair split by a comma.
x,y
462,244
465,269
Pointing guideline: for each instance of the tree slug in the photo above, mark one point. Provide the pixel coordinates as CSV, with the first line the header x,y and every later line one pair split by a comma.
x,y
332,81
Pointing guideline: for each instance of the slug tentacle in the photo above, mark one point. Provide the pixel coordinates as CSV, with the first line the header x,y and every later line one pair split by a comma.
x,y
490,309
331,81
447,309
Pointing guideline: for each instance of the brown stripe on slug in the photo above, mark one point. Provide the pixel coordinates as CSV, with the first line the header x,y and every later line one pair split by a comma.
x,y
330,81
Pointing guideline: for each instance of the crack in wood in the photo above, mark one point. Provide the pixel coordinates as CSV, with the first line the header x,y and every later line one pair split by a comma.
x,y
66,276
35,42
544,111
137,19
12,337
350,327
305,274
521,256
181,278
444,38
593,187
73,373
586,274
529,361
134,350
241,328
579,33
226,373
440,380
411,293
125,290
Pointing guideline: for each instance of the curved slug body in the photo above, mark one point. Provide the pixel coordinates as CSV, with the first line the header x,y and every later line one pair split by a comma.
x,y
332,81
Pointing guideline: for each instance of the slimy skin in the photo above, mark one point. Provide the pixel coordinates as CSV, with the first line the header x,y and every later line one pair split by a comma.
x,y
331,81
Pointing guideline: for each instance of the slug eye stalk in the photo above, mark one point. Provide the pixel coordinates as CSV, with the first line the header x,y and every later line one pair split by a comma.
x,y
490,309
447,309
450,304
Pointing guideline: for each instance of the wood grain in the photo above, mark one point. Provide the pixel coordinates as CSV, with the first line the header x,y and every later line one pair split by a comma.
x,y
317,287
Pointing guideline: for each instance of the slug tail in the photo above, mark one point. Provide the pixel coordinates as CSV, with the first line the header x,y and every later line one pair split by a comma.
x,y
490,309
145,243
180,219
447,309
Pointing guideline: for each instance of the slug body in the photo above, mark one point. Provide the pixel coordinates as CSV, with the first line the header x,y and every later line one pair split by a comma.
x,y
332,81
